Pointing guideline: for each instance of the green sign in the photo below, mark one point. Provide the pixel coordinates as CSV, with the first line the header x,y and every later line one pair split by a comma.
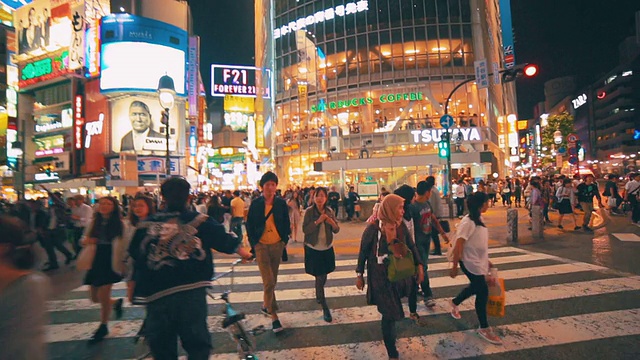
x,y
355,102
45,66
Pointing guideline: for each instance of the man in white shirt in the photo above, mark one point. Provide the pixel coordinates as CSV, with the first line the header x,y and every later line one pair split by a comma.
x,y
81,215
459,193
631,190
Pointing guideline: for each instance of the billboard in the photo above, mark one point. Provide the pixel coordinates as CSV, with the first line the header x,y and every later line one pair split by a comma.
x,y
236,80
136,126
45,26
14,4
136,52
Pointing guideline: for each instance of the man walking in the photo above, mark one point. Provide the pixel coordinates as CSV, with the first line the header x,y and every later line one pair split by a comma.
x,y
334,198
56,232
586,191
632,195
436,206
81,215
173,263
268,229
237,214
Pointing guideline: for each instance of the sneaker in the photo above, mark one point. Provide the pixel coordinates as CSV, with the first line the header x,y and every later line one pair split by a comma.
x,y
265,311
117,307
414,316
429,302
576,228
455,312
276,326
488,335
99,334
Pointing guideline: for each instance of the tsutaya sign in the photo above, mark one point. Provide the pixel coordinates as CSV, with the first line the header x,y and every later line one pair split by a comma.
x,y
435,135
321,16
355,102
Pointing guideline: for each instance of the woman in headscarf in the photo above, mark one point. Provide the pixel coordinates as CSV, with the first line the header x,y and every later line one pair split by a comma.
x,y
380,241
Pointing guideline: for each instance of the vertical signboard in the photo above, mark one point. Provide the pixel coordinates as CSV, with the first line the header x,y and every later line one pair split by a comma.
x,y
482,75
96,114
78,121
192,74
4,123
77,46
507,34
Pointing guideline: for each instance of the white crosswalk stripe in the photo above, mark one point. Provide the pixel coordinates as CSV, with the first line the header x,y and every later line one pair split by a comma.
x,y
551,301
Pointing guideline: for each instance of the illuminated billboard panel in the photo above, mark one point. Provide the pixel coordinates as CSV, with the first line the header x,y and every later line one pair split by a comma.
x,y
236,80
137,66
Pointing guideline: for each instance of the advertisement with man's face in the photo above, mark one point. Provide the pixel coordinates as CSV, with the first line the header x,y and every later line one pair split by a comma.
x,y
44,26
136,126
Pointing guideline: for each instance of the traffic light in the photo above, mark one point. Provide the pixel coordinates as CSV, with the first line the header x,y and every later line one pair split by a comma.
x,y
443,148
528,70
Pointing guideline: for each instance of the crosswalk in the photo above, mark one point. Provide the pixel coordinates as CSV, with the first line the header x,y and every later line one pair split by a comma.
x,y
551,302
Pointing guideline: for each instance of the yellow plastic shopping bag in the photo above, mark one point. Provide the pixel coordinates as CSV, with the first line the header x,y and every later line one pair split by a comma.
x,y
496,303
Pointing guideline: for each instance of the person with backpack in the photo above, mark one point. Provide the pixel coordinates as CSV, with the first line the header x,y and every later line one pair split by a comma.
x,y
425,222
471,252
611,191
173,263
586,191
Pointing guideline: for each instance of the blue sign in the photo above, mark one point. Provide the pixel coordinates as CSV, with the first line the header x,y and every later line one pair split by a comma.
x,y
507,34
193,141
562,150
14,4
446,121
573,151
573,160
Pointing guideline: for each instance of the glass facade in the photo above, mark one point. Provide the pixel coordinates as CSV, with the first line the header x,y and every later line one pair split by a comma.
x,y
359,80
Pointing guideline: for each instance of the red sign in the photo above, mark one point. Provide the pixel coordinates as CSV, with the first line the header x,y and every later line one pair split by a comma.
x,y
96,120
78,121
509,59
572,138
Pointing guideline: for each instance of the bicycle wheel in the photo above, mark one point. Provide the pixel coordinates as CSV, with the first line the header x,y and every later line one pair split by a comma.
x,y
245,348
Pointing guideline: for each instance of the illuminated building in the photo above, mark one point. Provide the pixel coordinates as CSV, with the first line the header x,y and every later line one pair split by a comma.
x,y
360,87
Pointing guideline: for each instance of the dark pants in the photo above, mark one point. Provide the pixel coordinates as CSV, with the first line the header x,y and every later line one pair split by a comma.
x,y
183,315
334,207
423,251
54,240
435,237
460,206
389,336
320,282
480,289
545,212
236,226
635,208
77,235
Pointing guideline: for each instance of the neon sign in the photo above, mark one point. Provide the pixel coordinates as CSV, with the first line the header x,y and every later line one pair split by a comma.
x,y
355,102
434,135
237,80
321,16
93,128
579,101
79,121
44,69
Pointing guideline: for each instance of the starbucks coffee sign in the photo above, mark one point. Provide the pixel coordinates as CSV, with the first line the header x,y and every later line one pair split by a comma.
x,y
457,135
356,102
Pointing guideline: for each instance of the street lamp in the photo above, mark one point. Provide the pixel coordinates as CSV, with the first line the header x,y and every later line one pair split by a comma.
x,y
166,96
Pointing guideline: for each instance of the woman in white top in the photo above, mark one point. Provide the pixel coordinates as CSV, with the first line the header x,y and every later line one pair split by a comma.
x,y
566,200
319,225
471,251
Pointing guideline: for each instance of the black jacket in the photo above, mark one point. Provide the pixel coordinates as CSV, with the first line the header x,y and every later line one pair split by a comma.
x,y
256,220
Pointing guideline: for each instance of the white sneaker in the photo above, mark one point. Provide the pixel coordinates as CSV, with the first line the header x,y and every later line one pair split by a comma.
x,y
455,312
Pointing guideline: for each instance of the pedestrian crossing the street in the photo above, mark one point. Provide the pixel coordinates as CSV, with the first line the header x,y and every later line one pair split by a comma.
x,y
551,302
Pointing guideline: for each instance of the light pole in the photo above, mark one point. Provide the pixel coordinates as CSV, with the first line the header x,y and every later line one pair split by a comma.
x,y
166,96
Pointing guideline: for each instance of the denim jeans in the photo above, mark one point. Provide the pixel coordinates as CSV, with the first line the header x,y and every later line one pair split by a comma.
x,y
423,250
236,226
183,314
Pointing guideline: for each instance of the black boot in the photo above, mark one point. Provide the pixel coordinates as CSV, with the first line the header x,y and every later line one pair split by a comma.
x,y
327,314
99,334
117,307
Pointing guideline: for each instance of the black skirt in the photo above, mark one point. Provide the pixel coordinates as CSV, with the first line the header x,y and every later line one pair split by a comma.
x,y
101,272
318,263
564,207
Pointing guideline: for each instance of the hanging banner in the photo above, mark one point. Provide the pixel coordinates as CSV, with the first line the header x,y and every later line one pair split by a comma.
x,y
507,34
192,74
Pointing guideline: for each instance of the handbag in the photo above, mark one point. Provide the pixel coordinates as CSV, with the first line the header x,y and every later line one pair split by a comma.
x,y
398,269
612,202
85,257
445,226
497,298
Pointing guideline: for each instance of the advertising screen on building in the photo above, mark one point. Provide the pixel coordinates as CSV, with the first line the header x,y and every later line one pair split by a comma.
x,y
236,80
136,126
136,52
44,26
14,4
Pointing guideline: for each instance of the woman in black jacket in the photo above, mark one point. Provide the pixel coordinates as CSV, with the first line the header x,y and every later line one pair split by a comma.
x,y
319,225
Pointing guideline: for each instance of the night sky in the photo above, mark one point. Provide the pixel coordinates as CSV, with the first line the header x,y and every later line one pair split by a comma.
x,y
564,37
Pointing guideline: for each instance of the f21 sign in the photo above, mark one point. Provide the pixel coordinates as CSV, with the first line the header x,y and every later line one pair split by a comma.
x,y
239,81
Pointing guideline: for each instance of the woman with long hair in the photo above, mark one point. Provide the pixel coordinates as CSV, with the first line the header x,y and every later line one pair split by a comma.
x,y
108,267
23,294
471,252
216,210
294,214
141,208
389,237
566,200
319,225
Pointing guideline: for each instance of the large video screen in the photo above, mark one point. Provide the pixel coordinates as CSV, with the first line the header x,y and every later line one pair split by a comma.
x,y
138,66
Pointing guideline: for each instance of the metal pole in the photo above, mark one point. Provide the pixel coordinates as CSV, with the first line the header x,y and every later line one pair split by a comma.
x,y
447,134
168,158
22,161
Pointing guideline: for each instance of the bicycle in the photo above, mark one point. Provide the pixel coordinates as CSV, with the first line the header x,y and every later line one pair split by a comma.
x,y
232,322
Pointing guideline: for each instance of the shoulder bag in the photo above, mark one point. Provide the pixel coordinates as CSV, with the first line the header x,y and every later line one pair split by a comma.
x,y
398,269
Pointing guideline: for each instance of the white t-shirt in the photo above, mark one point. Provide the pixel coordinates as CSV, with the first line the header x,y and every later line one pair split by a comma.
x,y
631,186
475,253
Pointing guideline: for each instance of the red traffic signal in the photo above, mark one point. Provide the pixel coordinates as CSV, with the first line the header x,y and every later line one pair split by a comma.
x,y
530,70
